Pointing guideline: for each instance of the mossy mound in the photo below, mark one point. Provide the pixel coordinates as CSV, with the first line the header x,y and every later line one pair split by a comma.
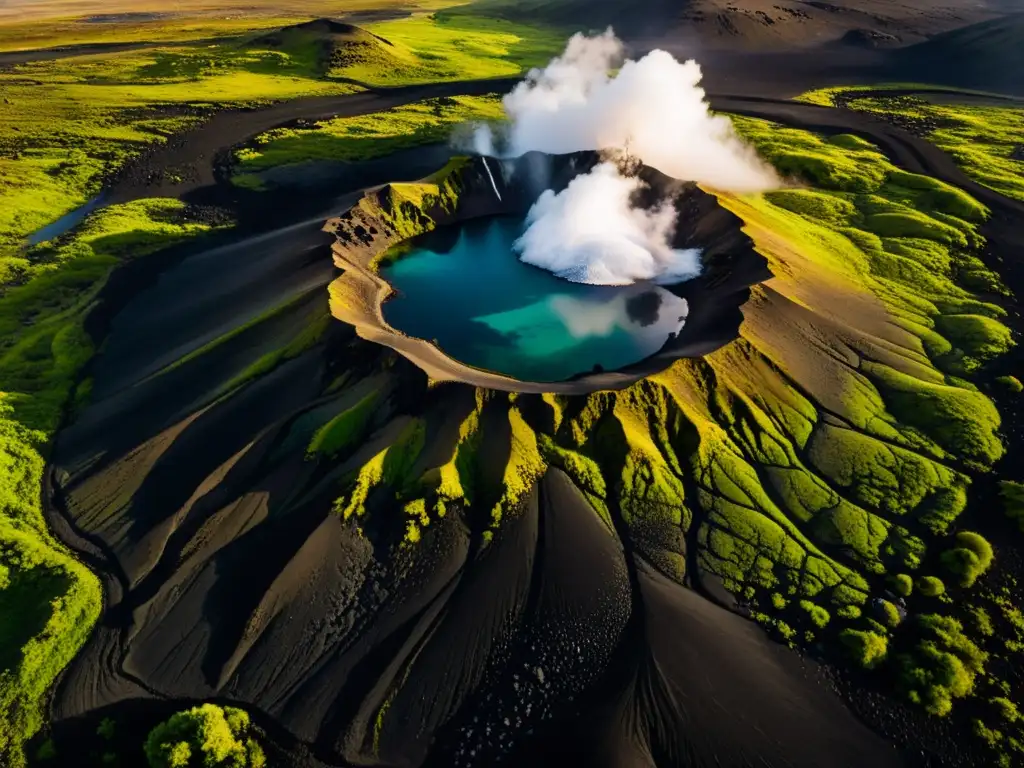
x,y
329,45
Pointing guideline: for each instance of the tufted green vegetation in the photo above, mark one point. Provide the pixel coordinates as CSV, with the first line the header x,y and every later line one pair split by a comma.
x,y
817,615
1011,384
362,137
866,649
208,735
931,586
344,429
43,348
983,139
942,666
1006,709
888,614
902,584
969,558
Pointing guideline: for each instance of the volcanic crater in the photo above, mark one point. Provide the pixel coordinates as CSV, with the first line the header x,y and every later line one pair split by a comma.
x,y
387,223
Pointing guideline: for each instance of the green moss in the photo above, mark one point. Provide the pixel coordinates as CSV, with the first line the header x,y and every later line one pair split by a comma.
x,y
931,586
987,735
344,429
981,620
961,421
937,195
982,139
366,136
943,665
1011,384
817,615
390,467
849,141
889,614
902,585
525,466
1006,710
969,558
826,208
307,337
977,336
585,473
866,649
910,224
848,612
219,737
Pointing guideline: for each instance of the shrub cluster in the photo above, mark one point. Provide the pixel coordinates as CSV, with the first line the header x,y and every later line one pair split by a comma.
x,y
207,735
868,649
930,586
902,585
969,559
942,665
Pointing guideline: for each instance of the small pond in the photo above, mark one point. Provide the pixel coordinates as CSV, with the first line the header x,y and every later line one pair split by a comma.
x,y
66,222
464,288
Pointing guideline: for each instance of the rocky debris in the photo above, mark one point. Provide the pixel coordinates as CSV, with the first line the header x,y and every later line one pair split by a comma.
x,y
894,110
869,38
796,13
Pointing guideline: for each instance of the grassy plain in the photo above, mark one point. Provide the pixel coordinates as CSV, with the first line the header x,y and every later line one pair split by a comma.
x,y
986,140
48,599
67,125
50,23
363,137
452,46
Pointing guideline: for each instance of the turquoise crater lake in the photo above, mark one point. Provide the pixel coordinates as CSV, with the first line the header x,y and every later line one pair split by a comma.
x,y
464,288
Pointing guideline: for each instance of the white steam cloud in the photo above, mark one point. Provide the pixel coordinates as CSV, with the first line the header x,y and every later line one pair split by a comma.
x,y
589,233
652,109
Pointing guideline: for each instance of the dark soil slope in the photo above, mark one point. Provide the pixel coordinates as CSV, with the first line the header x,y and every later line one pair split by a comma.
x,y
745,24
988,56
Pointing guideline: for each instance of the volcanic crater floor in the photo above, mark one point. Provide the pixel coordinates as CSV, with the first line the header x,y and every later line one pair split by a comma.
x,y
537,333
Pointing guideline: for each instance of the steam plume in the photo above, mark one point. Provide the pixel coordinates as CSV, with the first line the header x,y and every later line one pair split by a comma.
x,y
652,109
589,233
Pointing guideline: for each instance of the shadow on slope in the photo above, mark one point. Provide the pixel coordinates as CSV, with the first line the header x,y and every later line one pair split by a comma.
x,y
988,56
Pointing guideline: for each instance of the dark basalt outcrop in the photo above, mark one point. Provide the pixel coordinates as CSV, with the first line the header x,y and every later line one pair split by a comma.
x,y
384,218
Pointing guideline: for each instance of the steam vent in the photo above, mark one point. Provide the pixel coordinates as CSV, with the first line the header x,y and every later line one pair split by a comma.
x,y
429,272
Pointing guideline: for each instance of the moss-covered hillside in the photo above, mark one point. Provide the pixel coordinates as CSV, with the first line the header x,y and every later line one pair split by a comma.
x,y
816,468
